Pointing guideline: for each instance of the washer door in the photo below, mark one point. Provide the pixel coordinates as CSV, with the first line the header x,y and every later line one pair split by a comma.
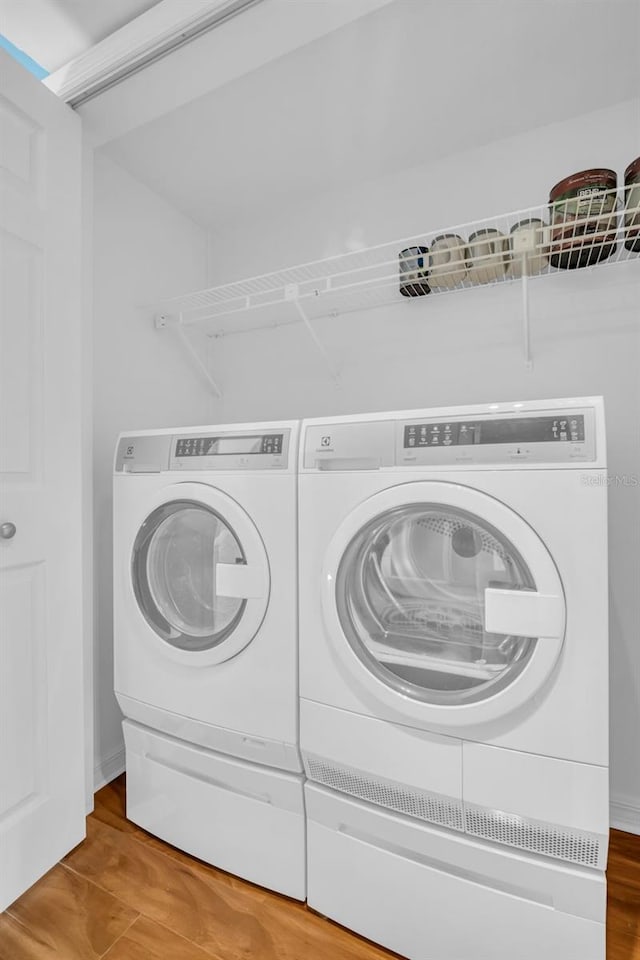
x,y
200,574
450,605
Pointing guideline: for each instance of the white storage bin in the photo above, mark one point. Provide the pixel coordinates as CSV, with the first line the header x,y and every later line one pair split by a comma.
x,y
244,818
432,895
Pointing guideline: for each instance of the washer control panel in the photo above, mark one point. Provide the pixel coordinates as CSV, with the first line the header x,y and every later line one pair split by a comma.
x,y
225,450
227,446
231,450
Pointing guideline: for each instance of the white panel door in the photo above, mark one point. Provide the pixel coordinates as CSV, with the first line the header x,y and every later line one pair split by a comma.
x,y
41,676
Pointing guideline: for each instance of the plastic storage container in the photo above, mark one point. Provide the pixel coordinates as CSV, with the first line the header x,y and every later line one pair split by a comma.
x,y
536,259
447,262
413,272
583,218
488,255
632,206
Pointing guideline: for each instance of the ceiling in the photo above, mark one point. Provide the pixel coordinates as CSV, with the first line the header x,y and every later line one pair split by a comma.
x,y
414,81
53,32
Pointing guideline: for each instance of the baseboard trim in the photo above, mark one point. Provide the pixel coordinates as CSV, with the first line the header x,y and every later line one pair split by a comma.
x,y
625,814
108,769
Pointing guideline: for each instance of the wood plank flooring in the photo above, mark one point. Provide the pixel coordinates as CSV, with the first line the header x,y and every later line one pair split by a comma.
x,y
125,895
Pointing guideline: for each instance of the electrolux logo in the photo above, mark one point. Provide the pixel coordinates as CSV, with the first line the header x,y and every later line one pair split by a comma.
x,y
325,441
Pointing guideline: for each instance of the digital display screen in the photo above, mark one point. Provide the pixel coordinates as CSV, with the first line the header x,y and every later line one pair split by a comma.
x,y
569,429
225,446
237,445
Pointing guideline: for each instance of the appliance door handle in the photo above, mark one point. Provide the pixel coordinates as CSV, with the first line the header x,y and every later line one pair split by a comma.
x,y
523,613
241,580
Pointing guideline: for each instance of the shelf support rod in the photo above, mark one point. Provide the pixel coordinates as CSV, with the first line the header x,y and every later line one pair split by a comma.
x,y
526,332
197,359
316,340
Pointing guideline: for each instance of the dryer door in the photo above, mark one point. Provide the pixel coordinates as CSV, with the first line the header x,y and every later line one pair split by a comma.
x,y
200,574
450,605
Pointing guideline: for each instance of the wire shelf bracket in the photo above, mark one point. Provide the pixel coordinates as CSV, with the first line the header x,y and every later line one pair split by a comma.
x,y
335,376
163,321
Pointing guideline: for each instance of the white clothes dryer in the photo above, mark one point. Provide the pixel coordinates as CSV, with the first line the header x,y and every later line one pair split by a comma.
x,y
205,630
454,677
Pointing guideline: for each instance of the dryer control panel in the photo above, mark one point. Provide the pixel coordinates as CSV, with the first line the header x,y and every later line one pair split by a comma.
x,y
547,437
209,450
543,436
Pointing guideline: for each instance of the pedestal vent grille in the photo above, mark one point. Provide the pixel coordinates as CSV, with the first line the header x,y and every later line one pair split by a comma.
x,y
423,805
573,846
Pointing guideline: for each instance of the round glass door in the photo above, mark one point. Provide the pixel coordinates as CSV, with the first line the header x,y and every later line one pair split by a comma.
x,y
410,594
174,575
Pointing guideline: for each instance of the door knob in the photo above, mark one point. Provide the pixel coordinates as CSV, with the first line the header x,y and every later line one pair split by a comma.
x,y
7,530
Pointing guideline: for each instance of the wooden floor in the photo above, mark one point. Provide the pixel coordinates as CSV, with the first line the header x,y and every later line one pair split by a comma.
x,y
124,895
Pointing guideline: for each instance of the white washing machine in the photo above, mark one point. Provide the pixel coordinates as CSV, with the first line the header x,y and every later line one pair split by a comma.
x,y
206,644
454,678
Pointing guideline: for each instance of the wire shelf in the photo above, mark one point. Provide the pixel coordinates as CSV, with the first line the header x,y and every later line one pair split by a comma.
x,y
602,227
538,241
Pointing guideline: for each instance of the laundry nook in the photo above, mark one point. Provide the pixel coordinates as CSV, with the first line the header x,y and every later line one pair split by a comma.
x,y
320,480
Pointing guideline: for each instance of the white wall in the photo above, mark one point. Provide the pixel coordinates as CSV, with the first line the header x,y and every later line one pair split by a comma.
x,y
143,250
462,348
